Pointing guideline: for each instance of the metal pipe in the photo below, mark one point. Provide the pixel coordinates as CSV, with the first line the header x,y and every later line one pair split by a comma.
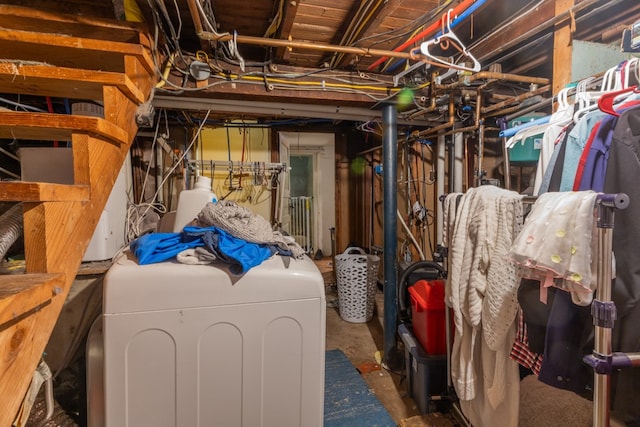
x,y
475,126
493,75
458,150
429,109
515,99
262,41
390,203
451,165
480,173
507,168
195,16
601,385
440,150
452,119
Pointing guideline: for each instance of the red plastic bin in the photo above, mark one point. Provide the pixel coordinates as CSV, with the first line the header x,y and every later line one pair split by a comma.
x,y
428,315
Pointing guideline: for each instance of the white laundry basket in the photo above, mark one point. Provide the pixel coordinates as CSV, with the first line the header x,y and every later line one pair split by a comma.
x,y
357,276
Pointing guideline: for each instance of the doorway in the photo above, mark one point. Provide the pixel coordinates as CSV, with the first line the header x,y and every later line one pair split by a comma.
x,y
308,196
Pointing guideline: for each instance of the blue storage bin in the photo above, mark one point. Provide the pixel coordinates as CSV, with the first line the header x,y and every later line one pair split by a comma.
x,y
526,150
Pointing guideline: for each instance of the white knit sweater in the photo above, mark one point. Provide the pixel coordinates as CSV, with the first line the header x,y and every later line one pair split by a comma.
x,y
481,291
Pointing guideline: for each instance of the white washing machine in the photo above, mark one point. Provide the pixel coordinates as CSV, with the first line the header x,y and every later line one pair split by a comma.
x,y
185,345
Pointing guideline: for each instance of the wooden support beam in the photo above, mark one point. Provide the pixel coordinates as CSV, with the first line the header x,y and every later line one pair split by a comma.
x,y
284,32
387,9
562,47
245,88
22,345
498,42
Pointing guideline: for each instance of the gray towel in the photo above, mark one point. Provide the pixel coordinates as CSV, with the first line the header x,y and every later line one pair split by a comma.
x,y
244,224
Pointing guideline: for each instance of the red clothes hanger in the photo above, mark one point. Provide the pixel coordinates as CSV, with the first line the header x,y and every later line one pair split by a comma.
x,y
606,101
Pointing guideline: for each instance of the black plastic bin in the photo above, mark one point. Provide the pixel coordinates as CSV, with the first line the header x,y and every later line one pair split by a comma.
x,y
426,374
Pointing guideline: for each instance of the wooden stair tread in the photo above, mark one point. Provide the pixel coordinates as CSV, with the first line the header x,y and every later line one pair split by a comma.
x,y
57,127
24,191
40,52
21,294
28,19
71,52
63,82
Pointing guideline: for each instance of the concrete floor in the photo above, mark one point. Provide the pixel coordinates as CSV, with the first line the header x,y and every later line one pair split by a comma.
x,y
362,343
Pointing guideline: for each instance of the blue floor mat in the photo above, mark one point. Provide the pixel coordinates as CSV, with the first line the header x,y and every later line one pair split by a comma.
x,y
348,402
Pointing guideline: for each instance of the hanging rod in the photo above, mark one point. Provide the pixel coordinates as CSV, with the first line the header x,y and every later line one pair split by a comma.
x,y
241,166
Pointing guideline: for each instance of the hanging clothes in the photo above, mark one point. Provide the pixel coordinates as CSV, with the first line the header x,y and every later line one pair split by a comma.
x,y
481,290
622,175
556,242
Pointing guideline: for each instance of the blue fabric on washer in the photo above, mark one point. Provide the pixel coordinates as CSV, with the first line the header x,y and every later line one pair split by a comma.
x,y
158,247
239,254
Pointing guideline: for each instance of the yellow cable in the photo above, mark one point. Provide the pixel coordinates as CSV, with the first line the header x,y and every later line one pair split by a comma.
x,y
132,12
275,24
310,83
167,70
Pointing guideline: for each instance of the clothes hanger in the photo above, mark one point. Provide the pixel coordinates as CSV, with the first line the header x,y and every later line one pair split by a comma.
x,y
630,67
606,101
585,100
447,38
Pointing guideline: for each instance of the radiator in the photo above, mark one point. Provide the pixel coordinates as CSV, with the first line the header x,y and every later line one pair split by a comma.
x,y
301,220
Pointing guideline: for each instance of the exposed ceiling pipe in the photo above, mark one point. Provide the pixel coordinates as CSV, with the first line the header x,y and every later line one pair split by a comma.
x,y
450,123
472,127
264,41
516,99
493,75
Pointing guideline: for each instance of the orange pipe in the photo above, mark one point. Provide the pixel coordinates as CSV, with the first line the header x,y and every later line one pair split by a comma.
x,y
432,28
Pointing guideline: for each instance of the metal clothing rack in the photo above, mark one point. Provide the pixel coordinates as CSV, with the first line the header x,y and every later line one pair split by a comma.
x,y
603,310
257,170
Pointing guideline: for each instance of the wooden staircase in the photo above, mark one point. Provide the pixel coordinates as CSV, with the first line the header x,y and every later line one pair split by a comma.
x,y
78,58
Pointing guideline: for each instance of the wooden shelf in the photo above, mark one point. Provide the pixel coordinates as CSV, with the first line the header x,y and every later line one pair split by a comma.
x,y
63,82
22,294
22,191
57,127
